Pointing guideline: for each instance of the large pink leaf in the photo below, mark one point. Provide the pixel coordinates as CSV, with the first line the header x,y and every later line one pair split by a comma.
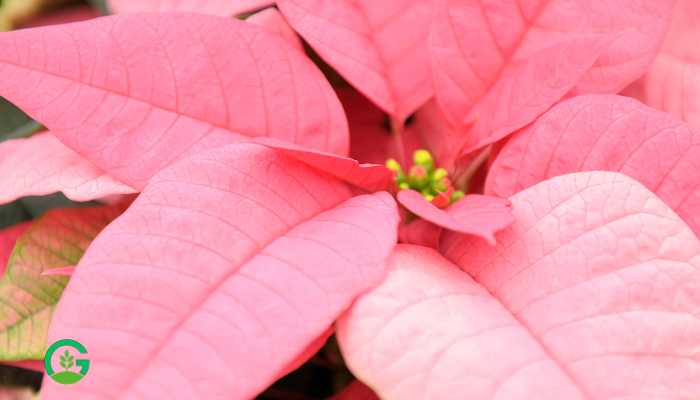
x,y
378,46
606,132
478,215
29,297
223,8
477,44
133,93
240,256
592,294
42,165
673,81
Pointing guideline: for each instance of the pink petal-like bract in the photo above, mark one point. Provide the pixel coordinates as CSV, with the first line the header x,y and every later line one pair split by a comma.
x,y
673,81
8,237
42,165
370,177
239,256
478,215
134,93
606,132
223,8
477,46
380,47
272,20
591,295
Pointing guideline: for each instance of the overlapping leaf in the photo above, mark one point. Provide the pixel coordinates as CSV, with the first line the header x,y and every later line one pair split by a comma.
x,y
134,93
240,256
673,82
605,132
42,165
381,47
592,294
27,297
480,50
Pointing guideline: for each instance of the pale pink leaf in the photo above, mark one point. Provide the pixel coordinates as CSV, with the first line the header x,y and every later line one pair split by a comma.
x,y
42,165
370,177
478,215
591,294
240,256
222,8
673,82
272,20
134,93
477,44
606,132
380,47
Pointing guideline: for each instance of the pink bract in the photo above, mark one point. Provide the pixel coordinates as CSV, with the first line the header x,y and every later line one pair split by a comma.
x,y
42,165
142,104
606,132
591,294
260,250
381,47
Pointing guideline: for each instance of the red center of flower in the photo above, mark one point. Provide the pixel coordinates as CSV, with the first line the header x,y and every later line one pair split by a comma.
x,y
433,183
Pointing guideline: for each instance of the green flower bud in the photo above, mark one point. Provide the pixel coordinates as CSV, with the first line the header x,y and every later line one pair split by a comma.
x,y
424,159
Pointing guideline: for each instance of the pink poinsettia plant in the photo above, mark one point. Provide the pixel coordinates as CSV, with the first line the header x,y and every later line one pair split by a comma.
x,y
454,190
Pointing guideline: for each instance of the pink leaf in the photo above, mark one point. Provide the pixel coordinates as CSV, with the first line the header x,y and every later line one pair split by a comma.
x,y
240,256
475,214
63,271
272,20
605,132
477,48
56,240
591,294
8,237
420,232
42,165
673,81
134,93
378,46
33,365
223,8
370,177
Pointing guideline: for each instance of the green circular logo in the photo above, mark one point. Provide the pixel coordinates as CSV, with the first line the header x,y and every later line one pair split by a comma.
x,y
73,370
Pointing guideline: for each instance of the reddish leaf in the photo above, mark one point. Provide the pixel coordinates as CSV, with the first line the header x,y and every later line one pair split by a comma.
x,y
8,237
56,240
42,165
378,46
262,253
216,7
356,390
420,232
478,215
591,294
673,81
63,16
481,52
134,93
605,132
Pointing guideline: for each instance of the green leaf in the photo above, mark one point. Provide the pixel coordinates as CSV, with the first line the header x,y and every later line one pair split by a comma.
x,y
15,124
28,298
